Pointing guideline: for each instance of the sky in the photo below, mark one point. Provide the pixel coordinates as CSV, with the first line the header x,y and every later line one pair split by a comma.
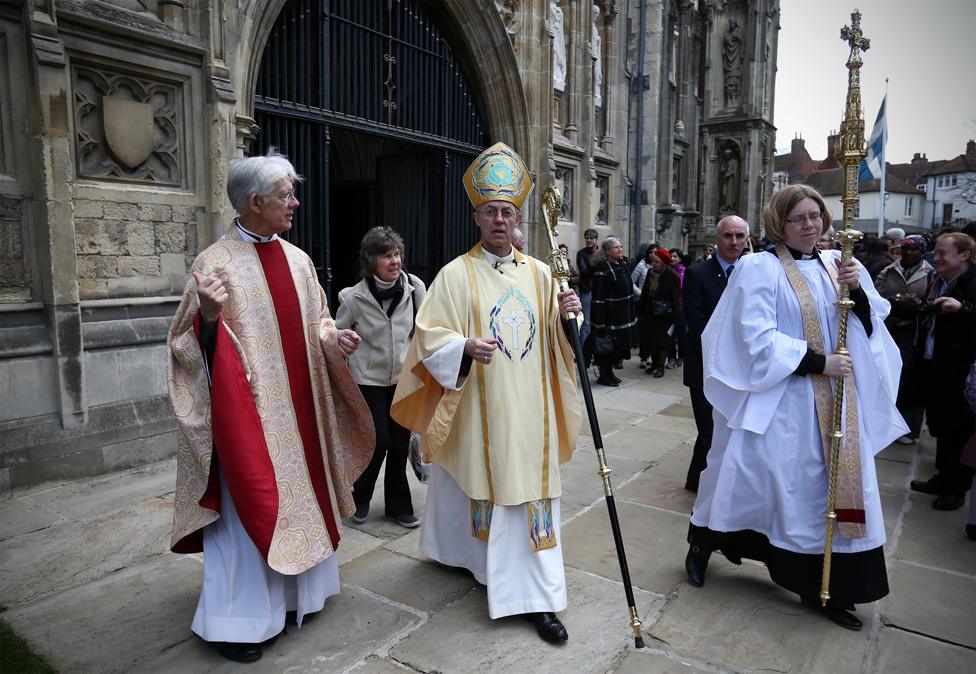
x,y
923,47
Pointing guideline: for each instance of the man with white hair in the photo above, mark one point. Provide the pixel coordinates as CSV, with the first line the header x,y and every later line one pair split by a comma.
x,y
518,239
273,431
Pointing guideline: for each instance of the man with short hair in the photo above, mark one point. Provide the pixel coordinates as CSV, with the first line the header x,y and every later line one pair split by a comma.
x,y
518,240
489,384
584,265
272,428
704,284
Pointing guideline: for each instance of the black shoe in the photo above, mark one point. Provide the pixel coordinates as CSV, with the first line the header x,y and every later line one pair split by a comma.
x,y
949,500
548,627
362,512
842,617
615,378
971,531
239,652
406,521
658,373
931,486
695,564
691,487
732,556
835,614
604,381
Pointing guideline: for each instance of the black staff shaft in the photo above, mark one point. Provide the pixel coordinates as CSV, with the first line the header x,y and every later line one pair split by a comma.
x,y
604,472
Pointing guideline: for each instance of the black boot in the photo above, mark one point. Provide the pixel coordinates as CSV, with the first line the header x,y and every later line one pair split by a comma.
x,y
607,377
695,564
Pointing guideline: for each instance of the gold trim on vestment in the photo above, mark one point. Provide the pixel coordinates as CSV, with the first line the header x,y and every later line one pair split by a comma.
x,y
850,495
480,371
544,336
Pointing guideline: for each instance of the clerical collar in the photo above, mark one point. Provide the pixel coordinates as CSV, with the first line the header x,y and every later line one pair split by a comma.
x,y
797,255
250,236
496,261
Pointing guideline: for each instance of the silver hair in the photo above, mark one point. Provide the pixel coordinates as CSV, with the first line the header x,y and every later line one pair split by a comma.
x,y
258,175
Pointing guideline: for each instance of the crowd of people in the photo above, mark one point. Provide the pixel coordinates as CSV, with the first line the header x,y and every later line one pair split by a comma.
x,y
287,416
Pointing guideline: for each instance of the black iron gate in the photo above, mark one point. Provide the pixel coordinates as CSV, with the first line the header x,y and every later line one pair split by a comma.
x,y
380,67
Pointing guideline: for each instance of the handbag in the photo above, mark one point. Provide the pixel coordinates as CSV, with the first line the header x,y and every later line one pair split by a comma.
x,y
603,344
660,308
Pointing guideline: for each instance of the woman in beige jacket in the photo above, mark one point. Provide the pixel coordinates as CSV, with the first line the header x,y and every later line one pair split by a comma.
x,y
382,308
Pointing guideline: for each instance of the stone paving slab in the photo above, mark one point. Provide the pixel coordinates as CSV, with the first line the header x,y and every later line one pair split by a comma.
x,y
66,555
655,661
660,491
900,652
740,620
675,463
462,638
355,543
425,586
375,665
636,400
610,420
934,538
581,484
893,476
352,626
118,622
660,421
654,541
641,443
931,602
21,516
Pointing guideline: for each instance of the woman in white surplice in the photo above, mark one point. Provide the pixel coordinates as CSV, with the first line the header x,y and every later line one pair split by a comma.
x,y
769,372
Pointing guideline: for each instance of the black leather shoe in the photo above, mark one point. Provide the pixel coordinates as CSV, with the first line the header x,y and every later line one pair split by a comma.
x,y
695,564
616,378
933,485
949,500
548,627
605,381
841,617
835,614
658,373
239,652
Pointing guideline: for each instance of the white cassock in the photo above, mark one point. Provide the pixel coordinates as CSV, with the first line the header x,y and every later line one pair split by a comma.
x,y
766,469
518,580
243,600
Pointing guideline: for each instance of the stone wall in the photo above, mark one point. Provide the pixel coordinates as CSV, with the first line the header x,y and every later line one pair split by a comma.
x,y
133,250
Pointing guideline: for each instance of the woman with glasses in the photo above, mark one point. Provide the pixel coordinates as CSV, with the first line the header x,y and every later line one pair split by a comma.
x,y
770,368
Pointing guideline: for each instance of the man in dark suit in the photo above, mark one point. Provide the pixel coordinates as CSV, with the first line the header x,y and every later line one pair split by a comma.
x,y
704,284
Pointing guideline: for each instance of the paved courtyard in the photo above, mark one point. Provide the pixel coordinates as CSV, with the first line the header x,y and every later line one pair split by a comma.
x,y
86,578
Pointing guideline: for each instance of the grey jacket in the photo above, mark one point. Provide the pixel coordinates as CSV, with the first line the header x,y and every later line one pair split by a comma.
x,y
380,355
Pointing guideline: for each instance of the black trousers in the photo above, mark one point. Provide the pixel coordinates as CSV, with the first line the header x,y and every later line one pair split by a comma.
x,y
703,421
392,444
951,422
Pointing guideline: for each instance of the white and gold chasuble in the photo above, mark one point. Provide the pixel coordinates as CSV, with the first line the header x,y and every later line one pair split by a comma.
x,y
503,433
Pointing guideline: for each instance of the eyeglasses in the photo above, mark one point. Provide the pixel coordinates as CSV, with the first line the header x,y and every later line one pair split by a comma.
x,y
285,198
812,218
491,213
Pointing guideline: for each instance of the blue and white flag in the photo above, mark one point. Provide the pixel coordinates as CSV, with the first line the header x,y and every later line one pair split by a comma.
x,y
873,164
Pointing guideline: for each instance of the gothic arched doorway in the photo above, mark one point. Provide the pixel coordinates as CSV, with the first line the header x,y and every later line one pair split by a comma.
x,y
373,104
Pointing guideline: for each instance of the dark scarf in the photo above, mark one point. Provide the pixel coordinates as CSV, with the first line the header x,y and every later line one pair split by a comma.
x,y
395,293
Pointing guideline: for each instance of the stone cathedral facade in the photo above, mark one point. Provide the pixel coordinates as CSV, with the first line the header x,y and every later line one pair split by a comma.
x,y
118,119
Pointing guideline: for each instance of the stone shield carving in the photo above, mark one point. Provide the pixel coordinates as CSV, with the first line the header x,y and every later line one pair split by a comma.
x,y
128,130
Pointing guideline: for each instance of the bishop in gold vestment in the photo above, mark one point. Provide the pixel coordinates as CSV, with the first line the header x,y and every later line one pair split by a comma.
x,y
489,384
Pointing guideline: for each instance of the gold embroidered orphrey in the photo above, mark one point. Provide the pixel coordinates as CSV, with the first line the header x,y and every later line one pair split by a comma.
x,y
850,492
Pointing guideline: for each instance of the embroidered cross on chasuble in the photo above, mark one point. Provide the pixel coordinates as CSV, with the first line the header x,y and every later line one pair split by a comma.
x,y
509,308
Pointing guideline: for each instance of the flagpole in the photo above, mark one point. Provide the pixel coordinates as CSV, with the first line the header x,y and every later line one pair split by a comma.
x,y
884,170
